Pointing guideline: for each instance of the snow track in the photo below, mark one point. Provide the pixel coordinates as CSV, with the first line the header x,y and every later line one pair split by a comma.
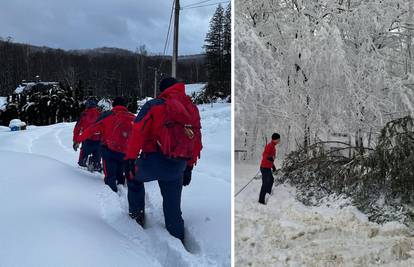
x,y
41,166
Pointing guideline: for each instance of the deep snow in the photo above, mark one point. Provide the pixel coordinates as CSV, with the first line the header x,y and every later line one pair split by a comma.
x,y
287,233
55,214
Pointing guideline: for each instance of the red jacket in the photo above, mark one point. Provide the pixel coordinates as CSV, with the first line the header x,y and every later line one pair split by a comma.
x,y
104,125
268,153
149,122
87,118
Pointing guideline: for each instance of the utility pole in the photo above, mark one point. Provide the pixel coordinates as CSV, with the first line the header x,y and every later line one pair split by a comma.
x,y
175,44
155,82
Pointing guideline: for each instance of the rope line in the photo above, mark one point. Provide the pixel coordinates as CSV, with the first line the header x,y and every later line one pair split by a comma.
x,y
168,36
198,3
244,187
191,7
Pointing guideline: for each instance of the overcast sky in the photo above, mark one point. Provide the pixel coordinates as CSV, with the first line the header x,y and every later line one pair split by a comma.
x,y
80,24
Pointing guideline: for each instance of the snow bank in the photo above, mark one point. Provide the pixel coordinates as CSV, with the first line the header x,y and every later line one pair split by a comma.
x,y
16,123
55,214
287,233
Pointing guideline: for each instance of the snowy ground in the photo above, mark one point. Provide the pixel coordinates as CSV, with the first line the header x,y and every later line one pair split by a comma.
x,y
287,233
55,214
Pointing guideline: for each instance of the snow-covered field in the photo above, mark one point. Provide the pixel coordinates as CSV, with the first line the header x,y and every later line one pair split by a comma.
x,y
55,214
287,233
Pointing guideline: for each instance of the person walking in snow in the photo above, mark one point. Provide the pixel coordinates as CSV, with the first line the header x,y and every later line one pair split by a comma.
x,y
267,166
167,139
91,145
115,127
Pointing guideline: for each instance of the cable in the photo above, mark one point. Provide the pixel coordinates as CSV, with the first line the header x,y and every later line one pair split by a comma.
x,y
244,187
205,5
194,4
169,28
168,36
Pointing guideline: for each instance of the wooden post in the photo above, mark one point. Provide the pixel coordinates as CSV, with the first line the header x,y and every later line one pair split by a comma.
x,y
175,44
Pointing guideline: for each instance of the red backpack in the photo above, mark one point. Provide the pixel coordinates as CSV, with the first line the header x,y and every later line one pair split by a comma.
x,y
180,135
124,122
88,118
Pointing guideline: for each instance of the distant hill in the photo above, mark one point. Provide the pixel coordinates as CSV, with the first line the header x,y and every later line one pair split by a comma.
x,y
101,71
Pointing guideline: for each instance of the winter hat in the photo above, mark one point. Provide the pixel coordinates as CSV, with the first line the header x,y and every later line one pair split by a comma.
x,y
275,136
119,101
90,103
166,83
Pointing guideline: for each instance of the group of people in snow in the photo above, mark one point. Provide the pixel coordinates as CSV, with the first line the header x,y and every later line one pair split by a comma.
x,y
267,166
163,142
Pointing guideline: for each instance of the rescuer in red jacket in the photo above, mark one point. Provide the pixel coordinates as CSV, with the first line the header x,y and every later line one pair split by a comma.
x,y
171,174
266,167
115,127
92,144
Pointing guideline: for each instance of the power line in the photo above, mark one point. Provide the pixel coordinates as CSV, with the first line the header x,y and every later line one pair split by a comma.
x,y
168,35
191,7
198,3
244,187
169,29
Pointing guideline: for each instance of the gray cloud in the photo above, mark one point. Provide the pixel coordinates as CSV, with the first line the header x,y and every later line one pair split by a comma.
x,y
81,24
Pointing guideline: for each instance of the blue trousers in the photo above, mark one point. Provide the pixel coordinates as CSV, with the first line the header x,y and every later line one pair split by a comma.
x,y
171,204
90,147
114,166
136,196
267,183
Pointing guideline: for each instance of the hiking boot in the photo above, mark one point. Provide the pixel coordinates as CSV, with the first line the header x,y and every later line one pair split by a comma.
x,y
97,167
82,164
90,167
139,217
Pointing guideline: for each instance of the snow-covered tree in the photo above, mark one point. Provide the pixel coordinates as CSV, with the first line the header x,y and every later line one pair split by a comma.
x,y
308,69
217,49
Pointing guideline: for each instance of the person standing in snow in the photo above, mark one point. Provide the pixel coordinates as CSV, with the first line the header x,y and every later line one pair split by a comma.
x,y
171,116
90,146
267,166
115,127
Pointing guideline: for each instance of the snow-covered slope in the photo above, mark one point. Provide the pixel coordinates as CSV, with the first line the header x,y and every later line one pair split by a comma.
x,y
287,233
55,214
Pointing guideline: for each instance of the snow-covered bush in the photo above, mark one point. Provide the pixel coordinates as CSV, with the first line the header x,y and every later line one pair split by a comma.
x,y
105,104
141,103
306,67
16,125
3,103
201,97
379,181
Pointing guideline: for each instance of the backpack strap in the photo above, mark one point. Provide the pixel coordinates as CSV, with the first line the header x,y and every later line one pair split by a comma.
x,y
147,106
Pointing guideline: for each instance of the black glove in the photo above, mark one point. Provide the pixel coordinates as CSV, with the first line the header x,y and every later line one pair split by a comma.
x,y
187,175
130,169
270,159
273,168
75,146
